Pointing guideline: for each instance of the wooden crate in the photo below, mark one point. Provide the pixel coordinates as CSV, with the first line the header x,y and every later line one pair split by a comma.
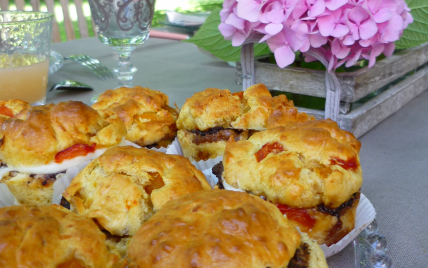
x,y
354,86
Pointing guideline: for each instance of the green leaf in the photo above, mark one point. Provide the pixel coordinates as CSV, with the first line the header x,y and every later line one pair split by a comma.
x,y
209,38
417,32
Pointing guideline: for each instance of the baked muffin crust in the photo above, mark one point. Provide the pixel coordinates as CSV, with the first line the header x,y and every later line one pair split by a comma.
x,y
145,112
251,110
37,134
51,237
216,229
310,170
125,186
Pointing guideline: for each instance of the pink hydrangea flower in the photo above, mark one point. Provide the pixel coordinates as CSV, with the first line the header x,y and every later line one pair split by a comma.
x,y
344,31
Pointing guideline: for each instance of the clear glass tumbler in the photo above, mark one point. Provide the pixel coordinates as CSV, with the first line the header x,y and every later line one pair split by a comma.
x,y
25,39
123,24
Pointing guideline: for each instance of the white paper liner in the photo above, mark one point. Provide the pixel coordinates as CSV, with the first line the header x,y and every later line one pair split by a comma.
x,y
175,148
6,197
365,215
211,178
162,149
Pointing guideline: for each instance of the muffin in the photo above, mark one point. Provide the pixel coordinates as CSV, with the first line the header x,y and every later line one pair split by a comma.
x,y
125,186
209,118
51,237
311,171
149,120
222,229
41,142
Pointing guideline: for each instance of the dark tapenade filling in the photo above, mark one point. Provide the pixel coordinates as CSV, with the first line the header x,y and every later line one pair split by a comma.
x,y
218,171
165,141
342,208
46,178
300,258
64,203
219,134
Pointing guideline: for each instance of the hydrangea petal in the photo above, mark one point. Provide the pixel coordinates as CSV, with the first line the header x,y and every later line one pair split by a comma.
x,y
358,15
343,53
249,10
382,16
326,25
348,40
354,31
365,43
368,29
389,49
293,41
264,17
227,4
235,21
317,9
335,47
335,4
392,32
276,16
238,39
317,40
375,52
340,31
273,28
265,38
299,10
284,56
374,5
226,30
354,58
309,58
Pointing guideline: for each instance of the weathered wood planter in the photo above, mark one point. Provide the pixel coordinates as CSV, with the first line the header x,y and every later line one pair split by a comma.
x,y
354,86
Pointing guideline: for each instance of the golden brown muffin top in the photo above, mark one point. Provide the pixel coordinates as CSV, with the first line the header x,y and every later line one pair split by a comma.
x,y
9,109
215,229
123,187
301,165
36,134
145,112
50,237
147,99
254,108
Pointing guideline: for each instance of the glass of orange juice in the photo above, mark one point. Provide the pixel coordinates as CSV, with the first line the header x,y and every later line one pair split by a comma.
x,y
25,39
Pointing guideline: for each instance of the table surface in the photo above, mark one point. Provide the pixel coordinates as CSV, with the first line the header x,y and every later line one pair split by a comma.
x,y
394,154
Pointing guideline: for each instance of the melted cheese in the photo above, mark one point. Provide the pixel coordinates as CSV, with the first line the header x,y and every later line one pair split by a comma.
x,y
53,167
231,188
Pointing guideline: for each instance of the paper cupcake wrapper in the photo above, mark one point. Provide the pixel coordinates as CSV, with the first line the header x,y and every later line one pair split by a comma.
x,y
63,180
6,197
364,216
61,183
175,148
162,149
211,178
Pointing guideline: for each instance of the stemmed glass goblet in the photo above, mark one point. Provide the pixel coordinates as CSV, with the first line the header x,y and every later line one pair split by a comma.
x,y
123,24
